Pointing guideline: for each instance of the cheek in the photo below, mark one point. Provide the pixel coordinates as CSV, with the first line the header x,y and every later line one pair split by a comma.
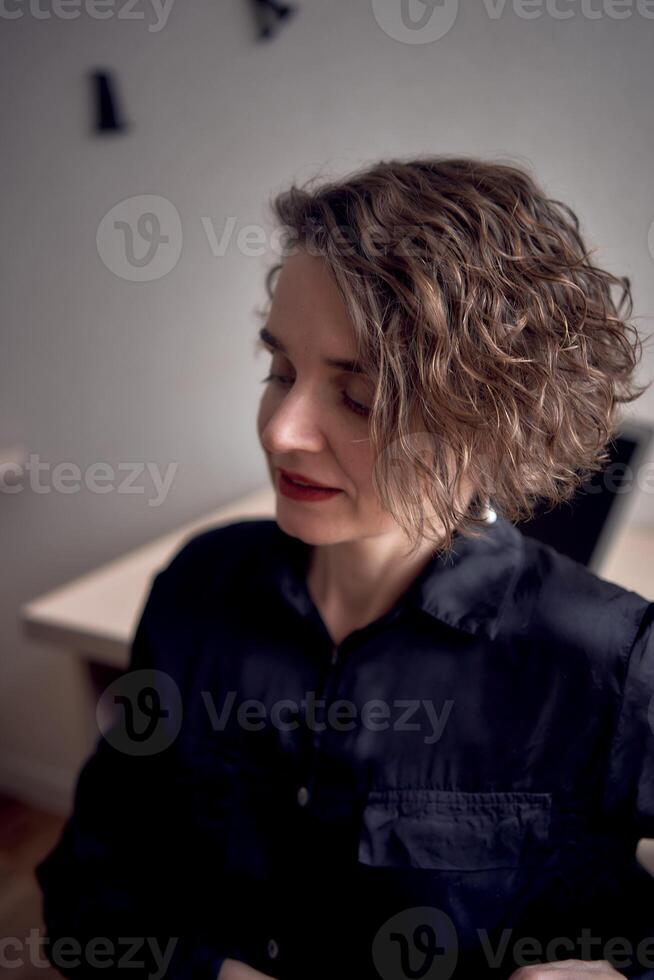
x,y
357,461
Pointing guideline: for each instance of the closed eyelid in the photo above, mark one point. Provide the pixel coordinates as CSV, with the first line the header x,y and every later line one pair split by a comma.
x,y
353,403
339,374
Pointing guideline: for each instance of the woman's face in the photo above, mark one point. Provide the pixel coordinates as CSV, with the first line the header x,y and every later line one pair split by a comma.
x,y
309,419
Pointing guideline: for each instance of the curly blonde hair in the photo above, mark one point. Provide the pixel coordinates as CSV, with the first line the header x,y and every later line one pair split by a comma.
x,y
492,339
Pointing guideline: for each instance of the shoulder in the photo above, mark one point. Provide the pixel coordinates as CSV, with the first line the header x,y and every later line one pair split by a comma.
x,y
573,607
209,576
221,543
215,557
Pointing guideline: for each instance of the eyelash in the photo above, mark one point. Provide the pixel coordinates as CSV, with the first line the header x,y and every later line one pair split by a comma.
x,y
347,401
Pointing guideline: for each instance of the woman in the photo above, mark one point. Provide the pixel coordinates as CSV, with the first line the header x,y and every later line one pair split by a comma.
x,y
404,740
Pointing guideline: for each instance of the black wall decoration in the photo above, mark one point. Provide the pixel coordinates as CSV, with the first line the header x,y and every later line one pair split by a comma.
x,y
108,117
268,13
107,113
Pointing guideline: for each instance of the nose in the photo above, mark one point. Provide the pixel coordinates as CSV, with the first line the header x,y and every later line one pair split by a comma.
x,y
295,424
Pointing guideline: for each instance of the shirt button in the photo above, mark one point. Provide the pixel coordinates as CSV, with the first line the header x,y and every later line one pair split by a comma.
x,y
273,949
303,796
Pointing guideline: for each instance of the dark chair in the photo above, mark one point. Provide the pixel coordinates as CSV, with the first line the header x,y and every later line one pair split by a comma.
x,y
585,526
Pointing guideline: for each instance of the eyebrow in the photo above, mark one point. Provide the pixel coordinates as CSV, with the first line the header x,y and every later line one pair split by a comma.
x,y
268,338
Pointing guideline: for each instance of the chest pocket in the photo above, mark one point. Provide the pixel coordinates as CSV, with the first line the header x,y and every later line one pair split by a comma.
x,y
444,830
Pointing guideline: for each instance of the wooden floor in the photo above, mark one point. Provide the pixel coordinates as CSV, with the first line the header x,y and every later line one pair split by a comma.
x,y
26,836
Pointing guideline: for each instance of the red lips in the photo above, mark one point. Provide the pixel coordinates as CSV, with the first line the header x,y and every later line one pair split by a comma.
x,y
300,478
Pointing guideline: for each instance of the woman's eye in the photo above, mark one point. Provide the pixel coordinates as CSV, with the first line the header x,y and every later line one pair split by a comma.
x,y
276,377
350,403
355,406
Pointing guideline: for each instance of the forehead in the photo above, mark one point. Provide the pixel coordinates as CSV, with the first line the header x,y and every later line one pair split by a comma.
x,y
307,307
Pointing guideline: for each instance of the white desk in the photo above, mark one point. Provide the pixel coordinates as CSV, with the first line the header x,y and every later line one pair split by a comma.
x,y
96,615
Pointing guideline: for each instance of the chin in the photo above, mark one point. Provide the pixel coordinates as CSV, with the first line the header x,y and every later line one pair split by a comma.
x,y
312,528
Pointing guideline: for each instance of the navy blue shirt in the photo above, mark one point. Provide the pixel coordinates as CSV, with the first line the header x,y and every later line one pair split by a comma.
x,y
456,789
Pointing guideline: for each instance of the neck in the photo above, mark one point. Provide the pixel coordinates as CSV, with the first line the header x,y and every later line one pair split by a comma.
x,y
355,582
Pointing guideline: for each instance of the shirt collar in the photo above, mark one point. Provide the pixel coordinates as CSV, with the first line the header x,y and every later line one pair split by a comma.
x,y
466,591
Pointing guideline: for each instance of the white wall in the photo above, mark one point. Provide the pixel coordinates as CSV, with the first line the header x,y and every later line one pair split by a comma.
x,y
99,368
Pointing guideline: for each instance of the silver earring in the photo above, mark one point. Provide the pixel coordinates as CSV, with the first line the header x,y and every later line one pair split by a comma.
x,y
488,514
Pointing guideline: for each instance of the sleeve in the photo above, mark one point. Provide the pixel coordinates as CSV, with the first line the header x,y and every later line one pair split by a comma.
x,y
630,793
631,766
118,889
